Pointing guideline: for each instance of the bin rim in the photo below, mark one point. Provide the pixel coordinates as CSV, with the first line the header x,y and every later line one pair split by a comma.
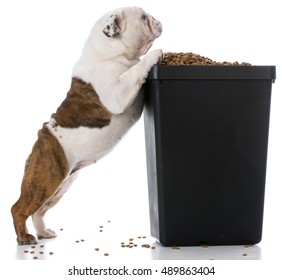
x,y
183,72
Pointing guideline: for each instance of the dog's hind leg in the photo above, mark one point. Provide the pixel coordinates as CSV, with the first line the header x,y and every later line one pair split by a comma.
x,y
45,171
38,217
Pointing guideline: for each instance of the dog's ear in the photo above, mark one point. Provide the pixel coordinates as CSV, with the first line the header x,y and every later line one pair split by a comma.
x,y
114,25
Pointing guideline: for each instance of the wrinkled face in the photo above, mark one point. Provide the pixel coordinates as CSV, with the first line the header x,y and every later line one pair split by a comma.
x,y
134,28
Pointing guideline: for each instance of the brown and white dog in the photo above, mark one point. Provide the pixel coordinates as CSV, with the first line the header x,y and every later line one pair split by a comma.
x,y
101,105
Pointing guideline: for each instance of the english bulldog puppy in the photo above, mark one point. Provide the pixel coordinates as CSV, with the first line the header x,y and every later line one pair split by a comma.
x,y
102,104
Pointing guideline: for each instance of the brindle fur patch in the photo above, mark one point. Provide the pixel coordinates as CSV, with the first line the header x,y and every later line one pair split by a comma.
x,y
45,169
82,107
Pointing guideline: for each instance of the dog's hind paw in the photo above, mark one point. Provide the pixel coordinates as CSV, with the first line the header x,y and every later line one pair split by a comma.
x,y
46,233
27,240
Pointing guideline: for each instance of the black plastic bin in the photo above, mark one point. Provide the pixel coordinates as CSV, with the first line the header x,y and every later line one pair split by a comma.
x,y
206,130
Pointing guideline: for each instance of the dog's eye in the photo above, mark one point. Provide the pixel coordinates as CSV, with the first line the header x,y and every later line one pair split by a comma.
x,y
143,17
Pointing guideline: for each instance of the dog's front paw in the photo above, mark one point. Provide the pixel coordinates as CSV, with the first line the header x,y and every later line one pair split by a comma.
x,y
46,233
154,57
149,60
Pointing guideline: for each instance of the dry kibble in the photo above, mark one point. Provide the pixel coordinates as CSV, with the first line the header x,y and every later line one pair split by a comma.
x,y
51,253
35,258
106,254
41,252
245,255
175,248
41,246
26,251
32,252
192,59
97,249
33,246
131,244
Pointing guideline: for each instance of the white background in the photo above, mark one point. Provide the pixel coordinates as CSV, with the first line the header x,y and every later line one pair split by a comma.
x,y
40,42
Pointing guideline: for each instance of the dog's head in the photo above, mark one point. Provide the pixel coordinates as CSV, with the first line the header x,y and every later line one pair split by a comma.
x,y
131,29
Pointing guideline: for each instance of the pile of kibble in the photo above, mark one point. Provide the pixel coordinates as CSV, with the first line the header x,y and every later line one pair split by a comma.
x,y
189,58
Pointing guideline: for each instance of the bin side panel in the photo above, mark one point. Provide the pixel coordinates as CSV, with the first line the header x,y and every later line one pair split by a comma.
x,y
151,158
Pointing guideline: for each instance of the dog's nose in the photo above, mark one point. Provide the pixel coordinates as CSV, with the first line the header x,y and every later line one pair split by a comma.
x,y
158,26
